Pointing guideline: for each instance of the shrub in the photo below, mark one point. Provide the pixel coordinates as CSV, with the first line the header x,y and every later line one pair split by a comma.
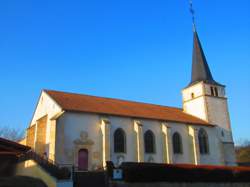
x,y
110,167
153,172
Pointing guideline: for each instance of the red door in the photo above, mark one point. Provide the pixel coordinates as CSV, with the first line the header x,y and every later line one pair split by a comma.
x,y
83,159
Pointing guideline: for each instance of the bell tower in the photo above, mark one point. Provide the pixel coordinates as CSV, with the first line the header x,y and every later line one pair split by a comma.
x,y
206,99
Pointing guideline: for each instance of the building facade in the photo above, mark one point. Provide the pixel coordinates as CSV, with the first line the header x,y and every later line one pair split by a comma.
x,y
86,131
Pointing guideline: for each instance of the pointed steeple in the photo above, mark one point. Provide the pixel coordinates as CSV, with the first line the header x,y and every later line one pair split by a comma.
x,y
200,68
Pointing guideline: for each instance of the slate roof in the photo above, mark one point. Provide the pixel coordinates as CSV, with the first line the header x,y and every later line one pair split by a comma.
x,y
107,106
200,68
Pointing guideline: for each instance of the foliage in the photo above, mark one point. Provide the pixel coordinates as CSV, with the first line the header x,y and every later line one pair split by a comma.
x,y
153,172
11,133
243,152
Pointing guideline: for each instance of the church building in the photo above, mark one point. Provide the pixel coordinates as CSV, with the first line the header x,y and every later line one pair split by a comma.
x,y
86,131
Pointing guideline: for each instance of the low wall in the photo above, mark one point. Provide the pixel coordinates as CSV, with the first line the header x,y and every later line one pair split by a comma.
x,y
32,169
166,184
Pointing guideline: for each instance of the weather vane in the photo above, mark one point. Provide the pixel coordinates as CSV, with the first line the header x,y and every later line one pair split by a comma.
x,y
192,13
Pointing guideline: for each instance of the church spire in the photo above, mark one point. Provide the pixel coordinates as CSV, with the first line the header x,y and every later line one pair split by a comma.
x,y
200,68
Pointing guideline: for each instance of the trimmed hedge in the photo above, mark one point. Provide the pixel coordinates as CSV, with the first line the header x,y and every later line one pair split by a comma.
x,y
153,172
110,166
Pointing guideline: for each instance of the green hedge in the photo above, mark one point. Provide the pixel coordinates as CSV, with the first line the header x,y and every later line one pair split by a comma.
x,y
152,172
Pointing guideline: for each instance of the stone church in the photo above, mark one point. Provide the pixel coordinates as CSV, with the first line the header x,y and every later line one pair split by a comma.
x,y
86,131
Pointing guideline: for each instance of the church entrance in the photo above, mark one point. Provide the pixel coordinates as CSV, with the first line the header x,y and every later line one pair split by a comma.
x,y
83,159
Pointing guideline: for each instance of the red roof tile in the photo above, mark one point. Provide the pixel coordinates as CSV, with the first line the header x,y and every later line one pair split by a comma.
x,y
108,106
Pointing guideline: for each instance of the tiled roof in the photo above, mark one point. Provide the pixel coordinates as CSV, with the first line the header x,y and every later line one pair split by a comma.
x,y
108,106
11,146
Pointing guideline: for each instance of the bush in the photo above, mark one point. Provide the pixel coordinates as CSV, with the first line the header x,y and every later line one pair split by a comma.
x,y
110,167
64,173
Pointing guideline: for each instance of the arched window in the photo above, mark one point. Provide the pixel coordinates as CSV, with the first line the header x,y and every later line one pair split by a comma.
x,y
203,142
119,141
149,142
192,95
177,143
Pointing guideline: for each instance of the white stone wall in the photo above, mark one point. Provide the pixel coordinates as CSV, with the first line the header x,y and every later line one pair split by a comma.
x,y
213,109
69,128
46,107
118,122
70,125
215,156
229,152
196,89
196,108
193,102
182,129
218,114
155,127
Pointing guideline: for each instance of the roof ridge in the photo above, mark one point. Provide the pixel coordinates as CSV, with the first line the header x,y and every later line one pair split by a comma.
x,y
117,99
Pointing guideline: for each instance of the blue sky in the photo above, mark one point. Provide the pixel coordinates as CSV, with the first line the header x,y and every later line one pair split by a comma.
x,y
135,50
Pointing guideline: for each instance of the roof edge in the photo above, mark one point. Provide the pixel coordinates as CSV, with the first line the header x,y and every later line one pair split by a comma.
x,y
205,82
148,118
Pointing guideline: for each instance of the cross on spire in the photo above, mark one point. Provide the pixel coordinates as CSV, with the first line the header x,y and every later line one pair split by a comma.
x,y
200,68
192,13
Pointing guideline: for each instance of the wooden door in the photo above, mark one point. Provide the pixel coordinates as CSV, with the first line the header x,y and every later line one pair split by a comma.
x,y
83,159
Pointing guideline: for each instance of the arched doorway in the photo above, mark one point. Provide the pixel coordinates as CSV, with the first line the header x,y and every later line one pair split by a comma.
x,y
83,159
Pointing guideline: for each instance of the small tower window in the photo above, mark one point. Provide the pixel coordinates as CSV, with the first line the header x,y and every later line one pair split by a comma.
x,y
192,95
212,91
223,92
216,91
222,133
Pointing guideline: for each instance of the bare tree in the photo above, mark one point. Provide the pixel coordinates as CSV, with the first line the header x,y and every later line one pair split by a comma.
x,y
246,143
11,133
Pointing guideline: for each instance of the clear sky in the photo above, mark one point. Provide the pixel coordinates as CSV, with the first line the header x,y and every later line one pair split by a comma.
x,y
137,50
